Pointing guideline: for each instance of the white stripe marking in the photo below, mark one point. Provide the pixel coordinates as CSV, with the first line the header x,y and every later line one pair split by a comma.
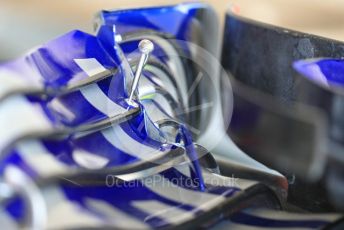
x,y
12,81
90,66
122,141
6,220
62,109
26,116
96,97
89,160
92,93
115,216
38,157
63,213
116,136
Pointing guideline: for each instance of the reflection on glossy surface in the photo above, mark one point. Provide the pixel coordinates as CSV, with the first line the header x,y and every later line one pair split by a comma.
x,y
326,72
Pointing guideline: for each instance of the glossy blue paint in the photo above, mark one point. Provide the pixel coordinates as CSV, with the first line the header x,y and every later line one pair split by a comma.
x,y
192,154
167,22
325,72
54,62
175,20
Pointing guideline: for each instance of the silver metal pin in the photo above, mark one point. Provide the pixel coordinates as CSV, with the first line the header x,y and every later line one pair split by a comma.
x,y
145,47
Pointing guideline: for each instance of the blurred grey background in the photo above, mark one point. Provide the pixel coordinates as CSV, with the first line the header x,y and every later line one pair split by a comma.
x,y
27,23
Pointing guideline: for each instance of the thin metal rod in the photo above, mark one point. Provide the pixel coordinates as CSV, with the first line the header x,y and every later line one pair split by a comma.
x,y
61,132
145,47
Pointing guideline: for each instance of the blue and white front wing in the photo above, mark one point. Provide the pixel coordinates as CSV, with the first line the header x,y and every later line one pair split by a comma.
x,y
167,199
159,200
74,153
